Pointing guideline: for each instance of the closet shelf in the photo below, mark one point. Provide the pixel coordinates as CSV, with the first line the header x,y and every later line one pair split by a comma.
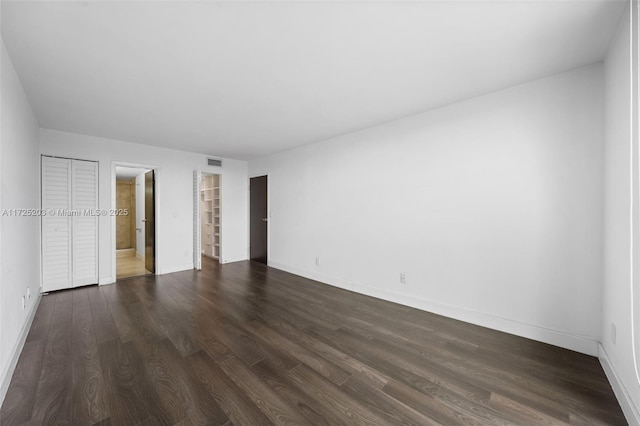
x,y
210,215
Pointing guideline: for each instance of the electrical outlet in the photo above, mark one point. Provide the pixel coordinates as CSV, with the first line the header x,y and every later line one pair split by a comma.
x,y
403,278
613,333
317,261
23,302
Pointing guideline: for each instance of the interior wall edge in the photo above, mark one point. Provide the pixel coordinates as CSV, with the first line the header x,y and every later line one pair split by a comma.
x,y
584,344
17,349
629,408
106,280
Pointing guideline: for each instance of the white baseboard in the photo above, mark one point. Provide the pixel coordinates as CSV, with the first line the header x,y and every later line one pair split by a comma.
x,y
583,344
106,280
630,410
173,269
232,259
17,349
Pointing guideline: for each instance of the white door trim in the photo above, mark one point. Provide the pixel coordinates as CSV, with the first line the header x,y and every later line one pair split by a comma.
x,y
197,224
112,221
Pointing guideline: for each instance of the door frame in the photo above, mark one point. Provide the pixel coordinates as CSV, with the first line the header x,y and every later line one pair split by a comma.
x,y
197,224
112,221
251,176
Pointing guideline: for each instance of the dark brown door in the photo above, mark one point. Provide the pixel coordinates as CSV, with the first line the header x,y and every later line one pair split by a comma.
x,y
149,223
258,219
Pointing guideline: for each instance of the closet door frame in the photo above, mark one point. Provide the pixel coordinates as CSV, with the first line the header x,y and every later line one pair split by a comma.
x,y
70,223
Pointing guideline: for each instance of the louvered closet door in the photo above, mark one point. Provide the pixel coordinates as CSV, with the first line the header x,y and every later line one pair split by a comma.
x,y
69,229
56,227
84,227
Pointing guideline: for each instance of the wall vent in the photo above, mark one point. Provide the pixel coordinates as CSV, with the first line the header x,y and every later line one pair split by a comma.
x,y
214,162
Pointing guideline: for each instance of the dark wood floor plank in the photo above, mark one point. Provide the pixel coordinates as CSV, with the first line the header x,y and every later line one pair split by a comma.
x,y
89,404
246,344
311,409
444,374
103,324
217,350
332,397
538,384
325,368
171,322
18,404
276,409
339,358
369,354
147,327
53,397
527,391
522,414
234,402
164,379
374,399
473,411
125,326
462,370
20,397
105,422
238,342
131,397
178,386
272,351
427,404
124,404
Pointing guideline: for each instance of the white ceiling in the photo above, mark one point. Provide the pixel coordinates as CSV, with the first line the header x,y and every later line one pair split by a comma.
x,y
247,79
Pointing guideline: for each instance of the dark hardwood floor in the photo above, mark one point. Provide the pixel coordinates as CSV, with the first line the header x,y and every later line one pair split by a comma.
x,y
245,344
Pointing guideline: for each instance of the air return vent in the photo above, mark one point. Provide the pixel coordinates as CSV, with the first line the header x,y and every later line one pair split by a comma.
x,y
214,162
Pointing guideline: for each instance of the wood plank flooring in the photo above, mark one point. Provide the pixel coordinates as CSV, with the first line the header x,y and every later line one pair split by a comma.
x,y
245,344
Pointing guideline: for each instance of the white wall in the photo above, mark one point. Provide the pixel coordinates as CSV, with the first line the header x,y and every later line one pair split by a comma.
x,y
174,190
617,358
19,236
492,207
140,247
234,201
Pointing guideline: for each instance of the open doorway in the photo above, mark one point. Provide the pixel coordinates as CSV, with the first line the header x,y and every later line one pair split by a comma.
x,y
135,222
207,239
210,215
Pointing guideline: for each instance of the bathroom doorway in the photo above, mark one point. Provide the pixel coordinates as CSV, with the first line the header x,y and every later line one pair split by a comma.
x,y
133,233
